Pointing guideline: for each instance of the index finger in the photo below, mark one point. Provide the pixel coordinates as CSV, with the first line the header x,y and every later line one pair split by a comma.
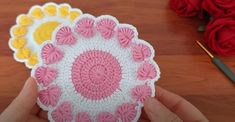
x,y
181,107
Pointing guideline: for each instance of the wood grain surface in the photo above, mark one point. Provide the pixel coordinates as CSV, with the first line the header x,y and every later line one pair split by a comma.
x,y
185,68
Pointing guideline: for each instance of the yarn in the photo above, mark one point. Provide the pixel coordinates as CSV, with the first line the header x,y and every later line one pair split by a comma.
x,y
36,27
65,36
95,69
125,36
85,27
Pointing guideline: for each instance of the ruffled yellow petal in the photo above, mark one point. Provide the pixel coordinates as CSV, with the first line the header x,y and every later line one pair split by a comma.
x,y
19,31
33,59
25,20
74,15
23,53
50,10
44,31
37,13
18,43
64,11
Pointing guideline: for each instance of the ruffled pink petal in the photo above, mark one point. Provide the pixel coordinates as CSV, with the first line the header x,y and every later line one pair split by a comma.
x,y
65,36
49,96
106,117
140,52
106,28
51,54
85,27
125,35
45,75
146,71
63,113
82,117
126,112
141,92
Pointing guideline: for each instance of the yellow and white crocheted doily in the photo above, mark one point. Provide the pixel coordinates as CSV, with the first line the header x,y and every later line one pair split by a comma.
x,y
36,27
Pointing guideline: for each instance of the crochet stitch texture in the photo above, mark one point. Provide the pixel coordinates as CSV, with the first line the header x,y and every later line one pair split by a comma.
x,y
95,69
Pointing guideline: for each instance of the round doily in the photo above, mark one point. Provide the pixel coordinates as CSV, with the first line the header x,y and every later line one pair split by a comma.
x,y
95,69
35,27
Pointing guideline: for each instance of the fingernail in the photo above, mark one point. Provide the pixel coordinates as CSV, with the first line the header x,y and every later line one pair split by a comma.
x,y
29,83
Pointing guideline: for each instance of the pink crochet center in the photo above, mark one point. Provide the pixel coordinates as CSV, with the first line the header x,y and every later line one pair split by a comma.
x,y
96,74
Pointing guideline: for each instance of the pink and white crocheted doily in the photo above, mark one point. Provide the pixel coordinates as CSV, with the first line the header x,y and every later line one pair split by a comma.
x,y
95,69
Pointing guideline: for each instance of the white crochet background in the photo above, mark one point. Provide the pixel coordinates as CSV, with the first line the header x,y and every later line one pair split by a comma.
x,y
128,67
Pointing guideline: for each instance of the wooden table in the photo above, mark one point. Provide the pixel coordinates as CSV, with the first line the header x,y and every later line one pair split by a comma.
x,y
186,70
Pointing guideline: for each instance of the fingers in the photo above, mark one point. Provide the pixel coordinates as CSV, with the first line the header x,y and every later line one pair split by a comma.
x,y
21,106
42,114
182,108
157,112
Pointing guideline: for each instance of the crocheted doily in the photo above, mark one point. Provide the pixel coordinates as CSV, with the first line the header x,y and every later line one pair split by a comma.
x,y
95,69
35,27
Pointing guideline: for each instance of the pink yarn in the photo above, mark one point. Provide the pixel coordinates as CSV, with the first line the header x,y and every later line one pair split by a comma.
x,y
126,112
45,75
96,74
85,27
63,113
82,117
146,71
51,54
125,35
140,52
106,117
141,92
106,27
65,36
49,96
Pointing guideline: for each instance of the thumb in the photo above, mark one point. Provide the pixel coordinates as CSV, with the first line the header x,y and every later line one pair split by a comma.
x,y
21,106
157,112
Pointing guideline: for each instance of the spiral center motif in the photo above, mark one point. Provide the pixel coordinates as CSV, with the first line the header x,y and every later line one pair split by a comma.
x,y
96,74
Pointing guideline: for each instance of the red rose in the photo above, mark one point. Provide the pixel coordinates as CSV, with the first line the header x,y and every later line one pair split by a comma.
x,y
186,8
218,8
220,36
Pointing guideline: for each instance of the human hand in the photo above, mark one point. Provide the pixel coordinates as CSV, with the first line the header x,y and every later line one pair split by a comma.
x,y
23,108
169,107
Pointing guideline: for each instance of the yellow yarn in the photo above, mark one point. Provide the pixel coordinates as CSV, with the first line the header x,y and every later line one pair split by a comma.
x,y
44,31
33,59
64,11
50,10
37,13
25,20
74,15
18,43
23,53
19,31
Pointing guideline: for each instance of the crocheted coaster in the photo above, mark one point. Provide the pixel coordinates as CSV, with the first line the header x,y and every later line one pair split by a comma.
x,y
95,69
32,29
